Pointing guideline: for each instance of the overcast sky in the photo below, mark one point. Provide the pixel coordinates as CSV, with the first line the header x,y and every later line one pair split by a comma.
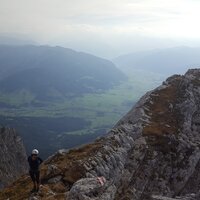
x,y
104,27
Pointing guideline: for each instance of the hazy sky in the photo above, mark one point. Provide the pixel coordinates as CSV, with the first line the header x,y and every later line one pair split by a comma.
x,y
104,27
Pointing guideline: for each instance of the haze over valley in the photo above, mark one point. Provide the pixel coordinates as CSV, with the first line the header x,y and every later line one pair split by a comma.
x,y
59,97
69,71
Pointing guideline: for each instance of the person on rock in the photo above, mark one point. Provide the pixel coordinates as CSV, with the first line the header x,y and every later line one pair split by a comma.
x,y
34,163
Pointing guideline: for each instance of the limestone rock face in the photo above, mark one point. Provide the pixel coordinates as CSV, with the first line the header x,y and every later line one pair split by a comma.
x,y
151,153
13,160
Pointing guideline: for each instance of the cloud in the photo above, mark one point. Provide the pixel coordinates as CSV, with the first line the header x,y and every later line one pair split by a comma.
x,y
111,21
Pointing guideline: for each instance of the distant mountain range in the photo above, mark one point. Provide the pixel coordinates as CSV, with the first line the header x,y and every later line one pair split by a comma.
x,y
43,90
10,39
164,61
54,71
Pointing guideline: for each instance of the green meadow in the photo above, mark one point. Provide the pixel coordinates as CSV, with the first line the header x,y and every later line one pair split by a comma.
x,y
102,109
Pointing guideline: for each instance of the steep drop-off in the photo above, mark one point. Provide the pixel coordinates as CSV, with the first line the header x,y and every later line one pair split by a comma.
x,y
152,153
12,155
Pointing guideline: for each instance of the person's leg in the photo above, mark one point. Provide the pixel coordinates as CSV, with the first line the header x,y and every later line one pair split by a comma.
x,y
37,175
32,175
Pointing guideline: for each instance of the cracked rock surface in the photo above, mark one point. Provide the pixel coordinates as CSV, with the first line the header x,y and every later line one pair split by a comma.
x,y
13,160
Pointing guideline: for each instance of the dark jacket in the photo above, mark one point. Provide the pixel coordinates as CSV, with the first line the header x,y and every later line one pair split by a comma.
x,y
34,164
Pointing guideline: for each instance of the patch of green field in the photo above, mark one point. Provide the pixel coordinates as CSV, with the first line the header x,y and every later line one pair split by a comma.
x,y
103,110
17,99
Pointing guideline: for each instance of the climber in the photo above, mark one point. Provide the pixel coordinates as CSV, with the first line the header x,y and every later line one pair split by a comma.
x,y
34,163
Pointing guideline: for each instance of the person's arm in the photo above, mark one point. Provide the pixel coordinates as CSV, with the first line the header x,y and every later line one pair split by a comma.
x,y
40,160
28,159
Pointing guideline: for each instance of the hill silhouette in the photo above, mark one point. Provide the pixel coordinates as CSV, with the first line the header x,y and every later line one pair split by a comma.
x,y
165,61
54,71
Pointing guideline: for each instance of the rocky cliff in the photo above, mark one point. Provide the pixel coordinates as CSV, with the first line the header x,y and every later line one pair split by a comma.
x,y
13,161
152,153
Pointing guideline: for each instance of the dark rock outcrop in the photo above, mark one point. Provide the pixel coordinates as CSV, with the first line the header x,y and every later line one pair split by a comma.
x,y
152,153
12,155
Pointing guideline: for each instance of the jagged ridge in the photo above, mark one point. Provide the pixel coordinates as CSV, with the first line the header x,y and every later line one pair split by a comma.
x,y
153,150
13,156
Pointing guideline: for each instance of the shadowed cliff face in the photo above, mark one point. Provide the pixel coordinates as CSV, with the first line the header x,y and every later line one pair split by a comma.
x,y
13,161
152,153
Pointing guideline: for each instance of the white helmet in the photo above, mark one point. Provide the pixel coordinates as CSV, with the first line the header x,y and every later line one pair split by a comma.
x,y
35,151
